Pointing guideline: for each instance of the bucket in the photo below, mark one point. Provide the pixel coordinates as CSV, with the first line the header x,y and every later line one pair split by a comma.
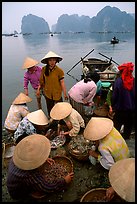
x,y
7,153
98,195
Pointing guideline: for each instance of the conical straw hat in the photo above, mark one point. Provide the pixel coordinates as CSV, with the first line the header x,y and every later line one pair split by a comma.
x,y
60,110
22,98
38,117
122,178
97,128
29,62
31,152
49,55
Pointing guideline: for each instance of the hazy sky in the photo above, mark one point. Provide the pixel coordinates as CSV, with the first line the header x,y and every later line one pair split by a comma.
x,y
12,12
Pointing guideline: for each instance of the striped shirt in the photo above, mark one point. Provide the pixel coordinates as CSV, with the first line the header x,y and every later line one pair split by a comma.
x,y
21,183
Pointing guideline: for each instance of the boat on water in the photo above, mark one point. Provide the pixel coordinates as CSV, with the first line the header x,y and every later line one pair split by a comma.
x,y
15,35
114,40
106,69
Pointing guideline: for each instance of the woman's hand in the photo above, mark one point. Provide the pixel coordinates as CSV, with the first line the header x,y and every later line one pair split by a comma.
x,y
110,193
84,101
69,177
50,161
66,97
93,153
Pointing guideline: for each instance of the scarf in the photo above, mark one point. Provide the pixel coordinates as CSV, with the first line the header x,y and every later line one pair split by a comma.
x,y
127,77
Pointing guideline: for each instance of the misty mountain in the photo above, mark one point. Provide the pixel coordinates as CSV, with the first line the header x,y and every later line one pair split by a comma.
x,y
113,20
109,19
34,24
73,23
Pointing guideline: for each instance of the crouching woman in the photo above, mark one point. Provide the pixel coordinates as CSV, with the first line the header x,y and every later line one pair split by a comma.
x,y
26,172
110,145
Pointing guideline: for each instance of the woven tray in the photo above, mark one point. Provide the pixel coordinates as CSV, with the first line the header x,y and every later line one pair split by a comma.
x,y
97,195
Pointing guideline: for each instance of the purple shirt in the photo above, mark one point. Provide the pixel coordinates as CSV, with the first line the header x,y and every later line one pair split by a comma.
x,y
32,78
82,91
123,99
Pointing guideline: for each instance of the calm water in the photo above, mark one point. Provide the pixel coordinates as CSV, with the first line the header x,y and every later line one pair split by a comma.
x,y
70,46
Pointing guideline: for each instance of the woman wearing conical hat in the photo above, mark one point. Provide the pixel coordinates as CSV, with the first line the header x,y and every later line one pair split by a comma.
x,y
71,117
110,145
17,111
122,180
32,76
52,80
27,175
34,122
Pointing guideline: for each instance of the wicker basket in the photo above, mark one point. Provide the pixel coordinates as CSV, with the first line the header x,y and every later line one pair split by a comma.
x,y
65,162
101,111
79,156
98,195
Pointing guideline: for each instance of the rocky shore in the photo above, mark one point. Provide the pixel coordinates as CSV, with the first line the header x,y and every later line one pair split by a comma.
x,y
86,176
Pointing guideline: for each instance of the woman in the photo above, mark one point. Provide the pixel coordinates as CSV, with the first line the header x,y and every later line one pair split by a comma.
x,y
32,75
83,93
123,99
73,120
110,145
26,173
122,180
34,122
17,111
52,80
109,103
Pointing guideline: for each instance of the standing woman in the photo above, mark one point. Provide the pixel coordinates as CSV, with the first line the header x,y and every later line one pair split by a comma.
x,y
52,80
32,76
123,99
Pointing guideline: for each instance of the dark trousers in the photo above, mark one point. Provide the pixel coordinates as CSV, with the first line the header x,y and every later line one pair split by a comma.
x,y
125,118
50,103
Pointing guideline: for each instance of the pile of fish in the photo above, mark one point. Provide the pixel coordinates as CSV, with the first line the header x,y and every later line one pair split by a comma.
x,y
80,145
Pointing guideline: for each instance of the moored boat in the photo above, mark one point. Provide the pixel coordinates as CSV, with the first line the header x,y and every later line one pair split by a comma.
x,y
105,68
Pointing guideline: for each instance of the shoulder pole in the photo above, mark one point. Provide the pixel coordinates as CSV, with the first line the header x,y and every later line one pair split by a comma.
x,y
80,60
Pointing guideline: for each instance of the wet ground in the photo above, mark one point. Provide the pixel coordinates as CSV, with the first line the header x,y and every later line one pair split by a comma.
x,y
86,177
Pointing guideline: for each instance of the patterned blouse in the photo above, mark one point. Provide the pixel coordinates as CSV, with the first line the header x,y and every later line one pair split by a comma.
x,y
77,121
112,148
24,127
15,115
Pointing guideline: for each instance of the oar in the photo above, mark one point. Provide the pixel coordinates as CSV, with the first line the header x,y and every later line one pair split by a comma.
x,y
73,77
80,60
108,58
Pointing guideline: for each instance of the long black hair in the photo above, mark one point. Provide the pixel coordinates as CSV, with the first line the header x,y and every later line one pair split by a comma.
x,y
47,70
92,76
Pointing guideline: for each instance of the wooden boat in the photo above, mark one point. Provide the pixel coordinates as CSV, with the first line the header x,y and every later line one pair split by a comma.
x,y
15,35
105,68
114,41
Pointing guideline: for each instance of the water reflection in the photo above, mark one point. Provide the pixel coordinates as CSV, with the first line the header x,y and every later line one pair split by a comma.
x,y
36,40
97,37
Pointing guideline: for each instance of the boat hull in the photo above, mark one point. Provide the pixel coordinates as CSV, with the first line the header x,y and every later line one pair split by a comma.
x,y
106,69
